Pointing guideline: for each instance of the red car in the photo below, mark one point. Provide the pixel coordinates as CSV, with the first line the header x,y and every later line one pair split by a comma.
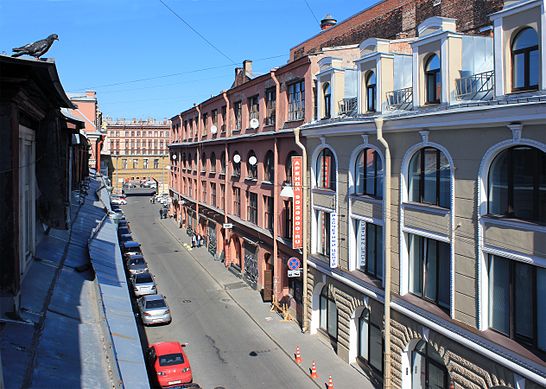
x,y
170,363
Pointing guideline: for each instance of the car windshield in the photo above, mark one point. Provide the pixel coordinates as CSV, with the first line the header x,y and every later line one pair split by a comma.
x,y
171,359
143,278
137,261
155,304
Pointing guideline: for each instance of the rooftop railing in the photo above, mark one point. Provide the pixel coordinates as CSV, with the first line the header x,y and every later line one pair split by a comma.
x,y
400,99
476,87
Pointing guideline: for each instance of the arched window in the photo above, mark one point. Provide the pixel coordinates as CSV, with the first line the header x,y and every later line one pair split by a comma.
x,y
429,178
288,166
370,341
327,93
213,163
428,370
252,165
326,170
328,313
223,162
369,174
525,60
517,184
203,162
236,164
269,167
433,80
371,83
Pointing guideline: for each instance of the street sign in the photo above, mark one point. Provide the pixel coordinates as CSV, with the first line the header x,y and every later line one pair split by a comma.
x,y
293,263
228,226
294,273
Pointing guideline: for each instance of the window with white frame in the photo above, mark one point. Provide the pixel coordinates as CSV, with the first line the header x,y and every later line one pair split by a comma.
x,y
369,174
371,89
517,300
429,178
327,99
525,60
326,170
429,272
369,248
433,80
323,232
517,184
328,313
370,341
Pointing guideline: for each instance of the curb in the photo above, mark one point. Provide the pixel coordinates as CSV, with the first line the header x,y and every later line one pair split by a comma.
x,y
288,354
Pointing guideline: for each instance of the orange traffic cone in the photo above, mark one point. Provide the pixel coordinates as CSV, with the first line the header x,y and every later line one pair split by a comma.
x,y
314,370
298,355
330,384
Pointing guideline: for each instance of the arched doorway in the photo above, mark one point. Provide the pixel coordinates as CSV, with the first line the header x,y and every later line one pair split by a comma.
x,y
428,370
236,252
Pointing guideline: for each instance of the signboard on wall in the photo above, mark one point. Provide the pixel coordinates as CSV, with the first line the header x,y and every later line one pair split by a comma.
x,y
297,217
333,240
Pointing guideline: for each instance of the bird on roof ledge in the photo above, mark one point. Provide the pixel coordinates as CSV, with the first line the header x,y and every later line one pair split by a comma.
x,y
36,49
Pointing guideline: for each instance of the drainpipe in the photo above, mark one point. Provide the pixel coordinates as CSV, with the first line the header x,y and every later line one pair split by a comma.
x,y
386,212
304,222
277,98
97,159
198,186
227,232
276,193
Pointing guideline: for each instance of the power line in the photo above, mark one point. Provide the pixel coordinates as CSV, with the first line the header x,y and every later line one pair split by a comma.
x,y
197,32
311,10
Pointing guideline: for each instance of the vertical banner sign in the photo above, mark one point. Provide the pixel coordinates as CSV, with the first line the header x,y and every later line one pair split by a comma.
x,y
362,233
326,171
297,209
333,240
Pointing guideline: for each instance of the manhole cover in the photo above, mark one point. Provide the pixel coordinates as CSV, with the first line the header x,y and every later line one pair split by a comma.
x,y
186,301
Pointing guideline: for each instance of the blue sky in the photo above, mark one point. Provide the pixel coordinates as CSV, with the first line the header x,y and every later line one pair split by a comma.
x,y
106,45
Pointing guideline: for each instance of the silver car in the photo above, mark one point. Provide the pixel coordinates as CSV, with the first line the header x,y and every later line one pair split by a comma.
x,y
136,265
143,284
154,310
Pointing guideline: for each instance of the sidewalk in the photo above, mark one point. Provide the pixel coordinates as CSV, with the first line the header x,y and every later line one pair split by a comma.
x,y
286,335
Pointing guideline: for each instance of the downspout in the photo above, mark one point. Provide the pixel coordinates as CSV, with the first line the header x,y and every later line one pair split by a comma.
x,y
97,160
198,186
386,213
276,194
304,221
227,232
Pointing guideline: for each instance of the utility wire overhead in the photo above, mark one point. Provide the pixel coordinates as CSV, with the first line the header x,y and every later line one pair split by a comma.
x,y
197,32
311,10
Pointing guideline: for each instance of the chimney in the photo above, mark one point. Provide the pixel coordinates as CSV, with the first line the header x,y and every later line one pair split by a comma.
x,y
247,67
327,22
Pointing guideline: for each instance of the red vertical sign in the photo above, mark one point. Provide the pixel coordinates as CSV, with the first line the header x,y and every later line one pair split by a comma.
x,y
297,217
326,171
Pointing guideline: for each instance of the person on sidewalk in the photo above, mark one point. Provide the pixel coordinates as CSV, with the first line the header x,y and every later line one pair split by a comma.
x,y
198,240
193,241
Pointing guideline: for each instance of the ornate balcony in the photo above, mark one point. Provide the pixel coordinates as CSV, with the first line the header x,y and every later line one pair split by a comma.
x,y
401,99
347,106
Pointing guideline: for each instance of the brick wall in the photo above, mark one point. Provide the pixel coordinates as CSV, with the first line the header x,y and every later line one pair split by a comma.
x,y
389,18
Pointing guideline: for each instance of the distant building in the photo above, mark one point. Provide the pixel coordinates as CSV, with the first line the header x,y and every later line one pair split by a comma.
x,y
138,151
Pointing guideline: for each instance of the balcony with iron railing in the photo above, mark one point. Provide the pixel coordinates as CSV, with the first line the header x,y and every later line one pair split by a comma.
x,y
347,106
476,87
400,99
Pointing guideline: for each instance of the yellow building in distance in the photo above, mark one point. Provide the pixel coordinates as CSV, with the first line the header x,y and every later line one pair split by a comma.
x,y
139,152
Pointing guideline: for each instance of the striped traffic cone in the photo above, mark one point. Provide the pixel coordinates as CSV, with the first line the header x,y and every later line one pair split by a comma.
x,y
298,355
314,370
330,384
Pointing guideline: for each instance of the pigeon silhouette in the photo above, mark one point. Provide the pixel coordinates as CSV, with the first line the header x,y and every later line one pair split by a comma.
x,y
36,49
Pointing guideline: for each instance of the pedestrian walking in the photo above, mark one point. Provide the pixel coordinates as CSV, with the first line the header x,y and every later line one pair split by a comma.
x,y
193,241
198,240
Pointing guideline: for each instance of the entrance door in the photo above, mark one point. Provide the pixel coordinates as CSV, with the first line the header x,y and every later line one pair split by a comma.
x,y
212,239
251,265
268,278
428,369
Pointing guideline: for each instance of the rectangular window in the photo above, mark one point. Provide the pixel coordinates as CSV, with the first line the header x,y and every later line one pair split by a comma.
x,y
323,232
156,163
222,196
369,248
430,269
204,190
288,219
213,194
517,297
296,101
215,118
124,163
135,163
238,114
252,207
205,124
224,110
271,105
253,109
268,214
145,163
237,202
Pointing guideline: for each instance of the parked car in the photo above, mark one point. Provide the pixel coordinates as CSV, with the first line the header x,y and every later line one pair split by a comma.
x,y
143,284
123,223
131,247
123,230
153,309
118,200
170,363
136,265
125,237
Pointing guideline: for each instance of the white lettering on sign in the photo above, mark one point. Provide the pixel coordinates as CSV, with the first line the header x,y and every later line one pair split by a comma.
x,y
297,211
333,240
362,235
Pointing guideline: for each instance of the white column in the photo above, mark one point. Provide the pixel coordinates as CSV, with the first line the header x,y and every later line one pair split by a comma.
x,y
445,74
498,55
416,78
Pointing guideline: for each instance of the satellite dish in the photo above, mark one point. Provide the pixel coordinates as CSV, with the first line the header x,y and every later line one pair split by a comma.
x,y
252,160
254,123
236,158
213,129
174,157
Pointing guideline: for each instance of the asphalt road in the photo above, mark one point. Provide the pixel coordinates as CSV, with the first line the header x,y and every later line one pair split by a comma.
x,y
226,348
